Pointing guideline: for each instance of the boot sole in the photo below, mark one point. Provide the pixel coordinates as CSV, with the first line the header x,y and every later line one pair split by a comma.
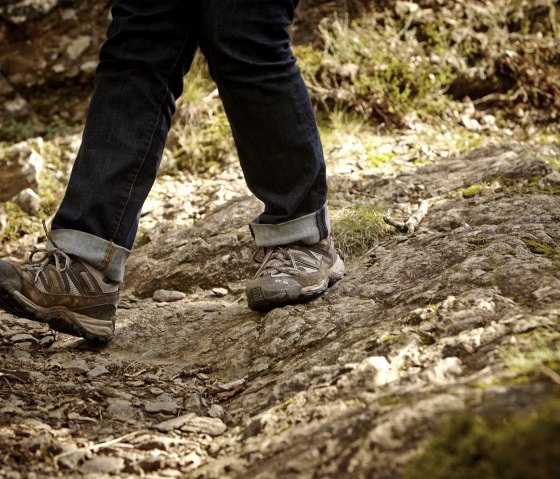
x,y
59,318
257,299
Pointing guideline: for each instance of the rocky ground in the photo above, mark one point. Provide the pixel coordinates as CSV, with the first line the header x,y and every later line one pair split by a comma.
x,y
461,314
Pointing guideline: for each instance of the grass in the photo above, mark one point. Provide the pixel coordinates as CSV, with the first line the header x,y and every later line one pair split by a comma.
x,y
529,360
358,228
367,67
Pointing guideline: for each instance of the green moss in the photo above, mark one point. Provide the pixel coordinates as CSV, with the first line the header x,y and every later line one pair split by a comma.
x,y
358,228
536,247
553,160
377,159
477,240
473,190
284,405
18,223
517,447
393,337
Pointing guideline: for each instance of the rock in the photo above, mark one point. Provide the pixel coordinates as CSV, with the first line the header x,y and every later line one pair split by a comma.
x,y
20,165
102,465
120,409
28,201
174,423
156,266
168,406
49,42
97,371
220,291
215,410
166,296
204,425
23,337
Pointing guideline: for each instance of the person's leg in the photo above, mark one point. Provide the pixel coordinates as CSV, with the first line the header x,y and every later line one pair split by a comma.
x,y
272,120
74,285
149,48
273,124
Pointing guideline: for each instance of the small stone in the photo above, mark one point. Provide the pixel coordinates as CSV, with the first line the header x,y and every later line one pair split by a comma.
x,y
97,371
23,337
215,410
120,409
174,423
28,201
205,425
165,296
220,292
170,407
76,365
103,465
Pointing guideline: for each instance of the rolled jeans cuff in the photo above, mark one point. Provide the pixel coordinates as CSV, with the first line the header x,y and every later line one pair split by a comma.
x,y
104,255
308,229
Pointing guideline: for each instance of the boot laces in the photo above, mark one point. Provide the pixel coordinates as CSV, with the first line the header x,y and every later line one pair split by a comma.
x,y
41,257
276,260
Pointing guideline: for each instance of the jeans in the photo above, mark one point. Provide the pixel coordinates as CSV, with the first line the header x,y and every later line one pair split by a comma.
x,y
150,47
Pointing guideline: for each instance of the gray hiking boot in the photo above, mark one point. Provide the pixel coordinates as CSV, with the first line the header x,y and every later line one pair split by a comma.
x,y
293,273
63,291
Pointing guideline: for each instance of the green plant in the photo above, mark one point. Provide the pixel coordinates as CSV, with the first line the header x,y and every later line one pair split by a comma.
x,y
377,70
541,351
514,447
358,228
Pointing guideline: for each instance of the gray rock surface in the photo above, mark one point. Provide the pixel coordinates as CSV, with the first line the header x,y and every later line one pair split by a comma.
x,y
351,384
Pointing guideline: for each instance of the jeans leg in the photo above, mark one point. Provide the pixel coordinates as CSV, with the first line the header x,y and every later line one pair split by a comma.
x,y
272,120
149,49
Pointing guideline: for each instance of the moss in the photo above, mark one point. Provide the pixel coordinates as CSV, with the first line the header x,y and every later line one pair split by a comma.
x,y
393,337
553,160
377,159
517,447
473,190
358,228
548,251
284,405
477,240
17,225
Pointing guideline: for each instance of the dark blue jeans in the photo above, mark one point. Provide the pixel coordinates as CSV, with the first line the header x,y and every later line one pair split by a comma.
x,y
149,49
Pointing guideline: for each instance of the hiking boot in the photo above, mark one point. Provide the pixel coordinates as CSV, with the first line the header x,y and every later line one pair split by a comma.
x,y
293,273
63,291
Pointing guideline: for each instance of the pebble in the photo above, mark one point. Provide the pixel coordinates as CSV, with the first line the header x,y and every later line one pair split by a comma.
x,y
220,292
175,423
120,409
170,406
97,371
166,296
205,425
103,465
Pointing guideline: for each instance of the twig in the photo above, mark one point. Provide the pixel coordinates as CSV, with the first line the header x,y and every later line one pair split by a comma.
x,y
101,445
409,226
418,216
377,246
396,223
